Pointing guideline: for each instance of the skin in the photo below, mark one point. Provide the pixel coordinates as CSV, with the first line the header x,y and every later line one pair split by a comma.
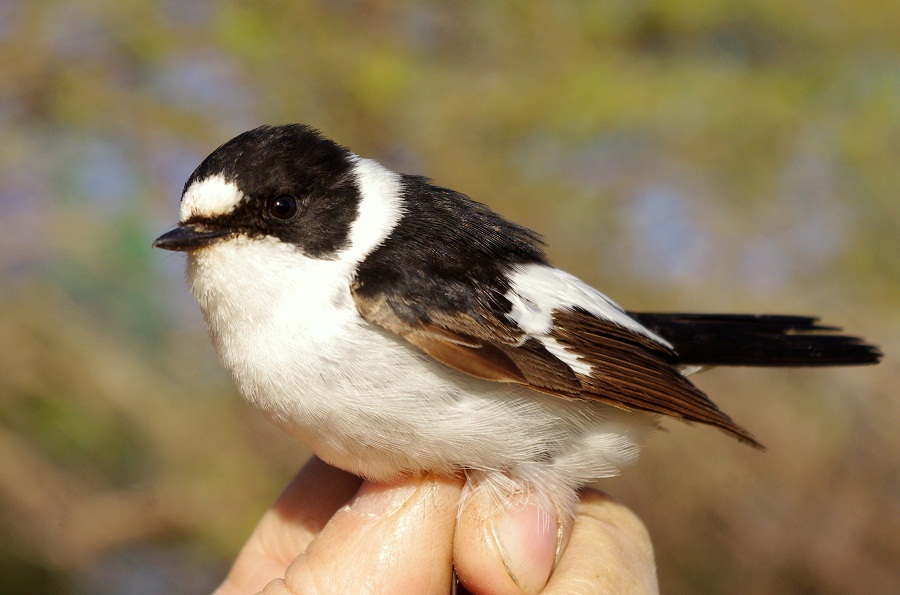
x,y
330,532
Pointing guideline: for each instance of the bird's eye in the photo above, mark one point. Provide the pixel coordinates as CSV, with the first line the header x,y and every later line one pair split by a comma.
x,y
283,206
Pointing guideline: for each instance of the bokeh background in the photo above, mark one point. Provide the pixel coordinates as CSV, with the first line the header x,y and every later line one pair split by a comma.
x,y
708,155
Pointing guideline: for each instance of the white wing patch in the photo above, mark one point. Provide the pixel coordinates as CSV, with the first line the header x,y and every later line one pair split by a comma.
x,y
570,358
209,197
537,290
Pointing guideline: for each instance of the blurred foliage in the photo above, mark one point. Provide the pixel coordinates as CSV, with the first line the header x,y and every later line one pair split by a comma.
x,y
705,155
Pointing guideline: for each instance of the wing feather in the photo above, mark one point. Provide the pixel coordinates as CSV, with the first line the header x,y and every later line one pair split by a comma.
x,y
619,362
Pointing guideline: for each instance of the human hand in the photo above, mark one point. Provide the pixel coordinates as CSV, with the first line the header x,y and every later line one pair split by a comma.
x,y
326,534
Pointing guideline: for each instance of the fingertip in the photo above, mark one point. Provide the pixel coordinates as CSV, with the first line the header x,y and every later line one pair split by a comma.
x,y
628,526
276,587
609,548
404,530
315,494
506,549
379,500
527,540
285,530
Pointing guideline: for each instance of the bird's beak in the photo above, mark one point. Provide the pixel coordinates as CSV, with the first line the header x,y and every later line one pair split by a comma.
x,y
185,238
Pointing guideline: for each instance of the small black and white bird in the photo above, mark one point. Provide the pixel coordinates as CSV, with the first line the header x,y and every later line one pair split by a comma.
x,y
398,327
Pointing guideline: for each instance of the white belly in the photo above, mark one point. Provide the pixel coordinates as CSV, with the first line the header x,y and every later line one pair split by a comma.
x,y
370,403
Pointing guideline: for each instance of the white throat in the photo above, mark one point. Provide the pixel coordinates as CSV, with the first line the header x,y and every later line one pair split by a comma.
x,y
266,301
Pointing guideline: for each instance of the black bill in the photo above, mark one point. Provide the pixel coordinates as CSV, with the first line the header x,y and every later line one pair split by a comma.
x,y
185,238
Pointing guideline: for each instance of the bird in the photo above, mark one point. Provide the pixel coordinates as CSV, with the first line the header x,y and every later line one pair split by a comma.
x,y
398,327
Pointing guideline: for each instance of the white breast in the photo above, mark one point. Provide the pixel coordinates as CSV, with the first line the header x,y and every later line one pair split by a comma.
x,y
369,402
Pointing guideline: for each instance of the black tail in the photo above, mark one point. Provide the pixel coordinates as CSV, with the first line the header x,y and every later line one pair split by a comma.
x,y
757,340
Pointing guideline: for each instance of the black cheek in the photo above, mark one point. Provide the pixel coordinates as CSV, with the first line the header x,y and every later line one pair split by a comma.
x,y
321,228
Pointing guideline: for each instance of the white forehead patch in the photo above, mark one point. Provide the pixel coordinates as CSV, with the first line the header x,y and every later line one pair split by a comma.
x,y
209,197
379,208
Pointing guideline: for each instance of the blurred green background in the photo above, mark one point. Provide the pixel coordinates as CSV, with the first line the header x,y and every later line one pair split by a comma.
x,y
687,156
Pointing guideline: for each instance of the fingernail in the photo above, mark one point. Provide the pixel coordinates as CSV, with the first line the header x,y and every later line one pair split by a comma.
x,y
380,500
527,539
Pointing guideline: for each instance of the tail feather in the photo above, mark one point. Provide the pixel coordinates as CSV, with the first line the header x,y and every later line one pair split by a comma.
x,y
757,340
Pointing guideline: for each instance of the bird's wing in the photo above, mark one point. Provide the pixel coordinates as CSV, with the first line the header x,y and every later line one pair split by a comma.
x,y
553,333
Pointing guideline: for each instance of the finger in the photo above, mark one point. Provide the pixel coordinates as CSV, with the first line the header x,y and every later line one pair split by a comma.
x,y
286,529
609,551
276,587
507,549
390,539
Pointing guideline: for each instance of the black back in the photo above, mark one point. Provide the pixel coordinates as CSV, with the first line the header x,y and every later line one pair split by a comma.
x,y
446,252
